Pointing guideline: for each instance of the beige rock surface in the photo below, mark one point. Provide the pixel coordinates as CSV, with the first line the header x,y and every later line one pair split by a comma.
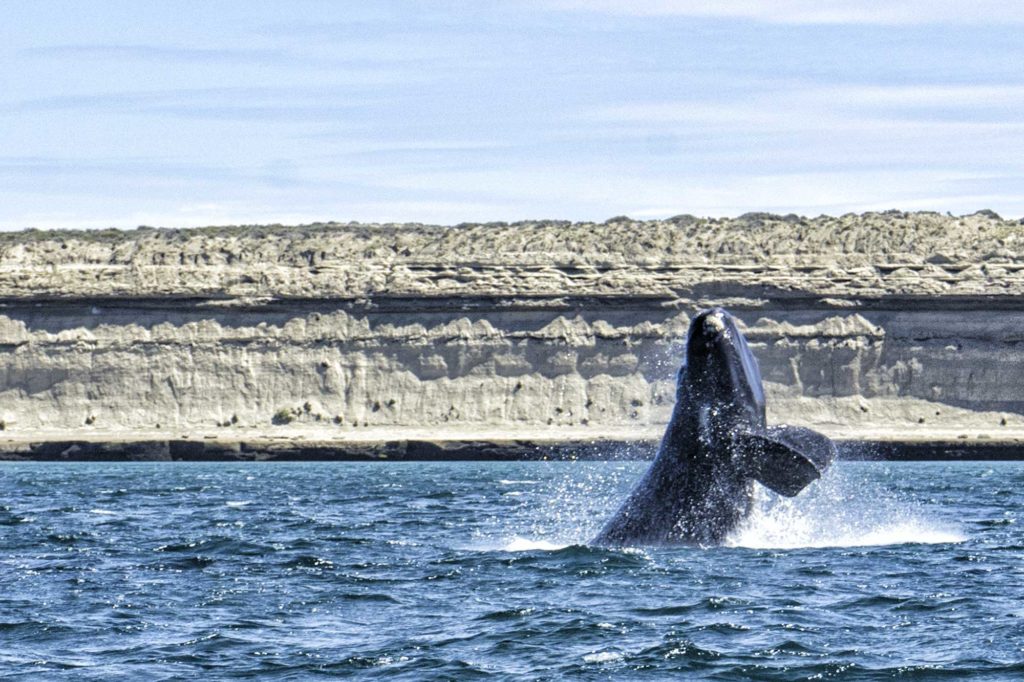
x,y
877,326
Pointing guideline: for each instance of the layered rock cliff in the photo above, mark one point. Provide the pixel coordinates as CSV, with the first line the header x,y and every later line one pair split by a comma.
x,y
876,325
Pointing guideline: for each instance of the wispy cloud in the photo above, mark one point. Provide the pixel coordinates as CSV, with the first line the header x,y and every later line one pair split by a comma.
x,y
877,12
879,108
155,52
345,93
113,176
953,94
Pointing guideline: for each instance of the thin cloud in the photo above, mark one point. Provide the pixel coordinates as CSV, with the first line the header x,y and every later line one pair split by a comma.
x,y
155,52
348,93
953,95
868,12
114,175
883,109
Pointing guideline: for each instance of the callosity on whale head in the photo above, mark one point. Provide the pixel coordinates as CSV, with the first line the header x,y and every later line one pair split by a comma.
x,y
717,443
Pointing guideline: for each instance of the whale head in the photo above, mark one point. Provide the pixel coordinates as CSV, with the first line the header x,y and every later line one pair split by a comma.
x,y
721,374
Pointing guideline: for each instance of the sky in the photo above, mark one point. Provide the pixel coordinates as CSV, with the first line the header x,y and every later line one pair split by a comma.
x,y
219,112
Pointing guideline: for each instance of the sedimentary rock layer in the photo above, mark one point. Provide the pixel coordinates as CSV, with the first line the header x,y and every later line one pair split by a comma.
x,y
894,322
758,255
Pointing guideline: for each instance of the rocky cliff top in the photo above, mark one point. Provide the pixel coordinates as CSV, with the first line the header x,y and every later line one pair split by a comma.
x,y
850,256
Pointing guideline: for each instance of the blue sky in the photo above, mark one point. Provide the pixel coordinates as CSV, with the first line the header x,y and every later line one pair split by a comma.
x,y
194,113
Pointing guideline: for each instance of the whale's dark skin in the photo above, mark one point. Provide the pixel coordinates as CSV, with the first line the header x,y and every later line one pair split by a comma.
x,y
700,485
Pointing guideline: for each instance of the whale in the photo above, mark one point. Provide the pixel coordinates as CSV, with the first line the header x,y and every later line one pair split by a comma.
x,y
700,486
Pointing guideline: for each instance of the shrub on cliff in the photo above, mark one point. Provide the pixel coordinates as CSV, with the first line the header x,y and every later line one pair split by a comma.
x,y
285,415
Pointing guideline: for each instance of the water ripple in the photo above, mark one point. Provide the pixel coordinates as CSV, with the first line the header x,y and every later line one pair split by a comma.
x,y
436,571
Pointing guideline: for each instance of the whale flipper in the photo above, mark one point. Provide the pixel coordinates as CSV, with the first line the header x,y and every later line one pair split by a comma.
x,y
786,459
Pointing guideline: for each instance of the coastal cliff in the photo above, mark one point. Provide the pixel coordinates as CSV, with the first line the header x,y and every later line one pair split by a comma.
x,y
903,326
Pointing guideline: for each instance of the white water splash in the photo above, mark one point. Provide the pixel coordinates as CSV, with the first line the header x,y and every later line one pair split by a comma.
x,y
519,544
837,512
849,507
576,503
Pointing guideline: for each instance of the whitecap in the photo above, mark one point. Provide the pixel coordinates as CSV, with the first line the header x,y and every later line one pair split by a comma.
x,y
602,657
524,545
104,512
237,504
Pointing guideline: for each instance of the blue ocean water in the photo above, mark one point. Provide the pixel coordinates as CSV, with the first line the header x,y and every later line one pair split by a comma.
x,y
424,571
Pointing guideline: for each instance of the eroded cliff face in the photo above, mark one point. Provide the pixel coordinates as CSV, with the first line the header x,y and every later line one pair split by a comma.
x,y
861,323
70,367
757,255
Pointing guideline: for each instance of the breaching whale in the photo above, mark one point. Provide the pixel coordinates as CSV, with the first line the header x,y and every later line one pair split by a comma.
x,y
700,485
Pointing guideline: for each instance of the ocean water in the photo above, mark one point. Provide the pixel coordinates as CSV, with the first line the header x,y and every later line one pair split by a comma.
x,y
420,571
